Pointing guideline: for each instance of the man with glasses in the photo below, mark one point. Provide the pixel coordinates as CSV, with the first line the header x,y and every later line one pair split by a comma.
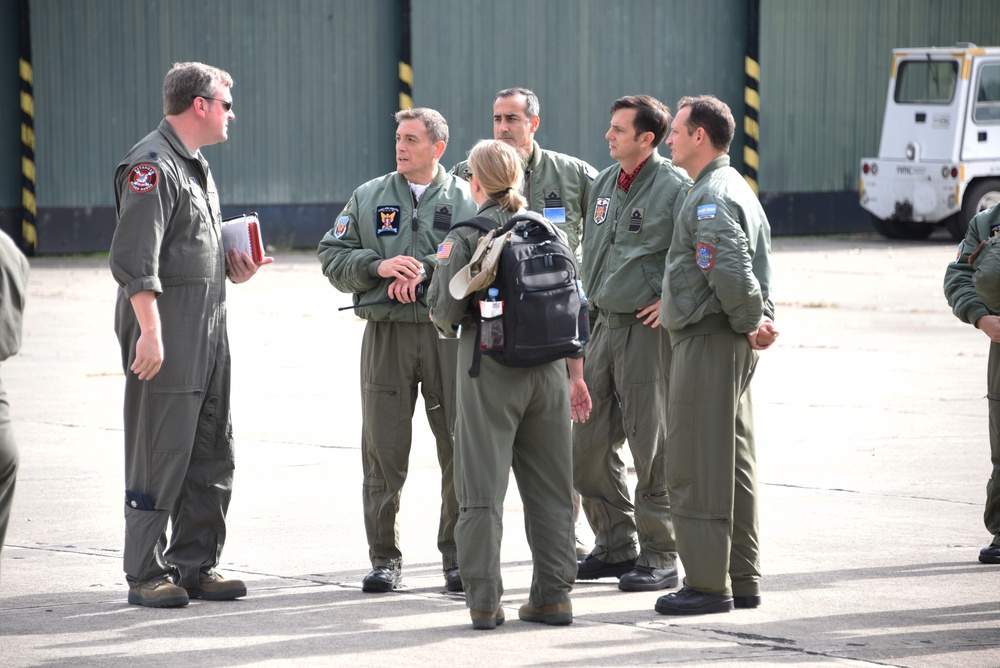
x,y
383,248
170,318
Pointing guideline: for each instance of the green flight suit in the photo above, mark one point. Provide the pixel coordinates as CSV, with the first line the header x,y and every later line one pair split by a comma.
x,y
178,432
556,185
507,417
400,349
626,236
715,291
968,305
13,286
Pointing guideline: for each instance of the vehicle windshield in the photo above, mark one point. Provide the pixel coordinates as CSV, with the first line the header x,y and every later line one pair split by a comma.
x,y
926,81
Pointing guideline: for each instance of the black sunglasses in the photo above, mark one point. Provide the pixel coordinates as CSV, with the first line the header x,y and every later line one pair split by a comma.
x,y
226,104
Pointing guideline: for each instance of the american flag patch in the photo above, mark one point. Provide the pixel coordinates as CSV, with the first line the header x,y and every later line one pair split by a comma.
x,y
444,250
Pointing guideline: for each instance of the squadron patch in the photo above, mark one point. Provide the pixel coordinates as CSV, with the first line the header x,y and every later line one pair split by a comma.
x,y
635,220
340,229
601,209
706,212
143,178
444,250
386,220
704,256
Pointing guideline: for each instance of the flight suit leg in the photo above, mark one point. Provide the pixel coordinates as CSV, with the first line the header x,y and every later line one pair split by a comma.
x,y
542,461
439,365
388,397
991,513
198,516
8,465
643,371
708,378
599,473
484,441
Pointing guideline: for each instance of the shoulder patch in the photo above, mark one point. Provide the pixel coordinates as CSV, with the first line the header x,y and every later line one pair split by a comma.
x,y
340,229
444,250
706,212
590,172
705,256
143,178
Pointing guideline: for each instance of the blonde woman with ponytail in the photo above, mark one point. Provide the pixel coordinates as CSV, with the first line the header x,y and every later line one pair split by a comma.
x,y
508,417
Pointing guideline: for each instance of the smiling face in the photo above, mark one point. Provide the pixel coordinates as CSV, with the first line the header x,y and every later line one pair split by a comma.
x,y
416,154
512,125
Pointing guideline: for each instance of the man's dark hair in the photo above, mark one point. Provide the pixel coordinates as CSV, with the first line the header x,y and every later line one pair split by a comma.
x,y
712,115
651,115
531,107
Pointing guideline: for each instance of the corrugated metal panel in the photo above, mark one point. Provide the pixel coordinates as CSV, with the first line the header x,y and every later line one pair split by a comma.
x,y
825,73
315,86
10,110
578,56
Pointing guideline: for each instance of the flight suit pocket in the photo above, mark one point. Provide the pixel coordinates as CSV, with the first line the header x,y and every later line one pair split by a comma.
x,y
680,290
382,409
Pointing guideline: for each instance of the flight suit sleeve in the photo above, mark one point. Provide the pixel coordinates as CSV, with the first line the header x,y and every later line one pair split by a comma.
x,y
447,313
958,286
348,265
723,254
145,204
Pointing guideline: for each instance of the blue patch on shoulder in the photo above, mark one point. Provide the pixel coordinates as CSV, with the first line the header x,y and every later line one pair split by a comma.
x,y
706,211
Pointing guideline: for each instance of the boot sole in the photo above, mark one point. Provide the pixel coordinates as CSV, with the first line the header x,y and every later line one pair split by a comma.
x,y
721,606
666,583
178,601
487,623
225,595
552,619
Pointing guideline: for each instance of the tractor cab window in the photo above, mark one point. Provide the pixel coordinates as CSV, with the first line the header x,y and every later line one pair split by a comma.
x,y
987,107
926,81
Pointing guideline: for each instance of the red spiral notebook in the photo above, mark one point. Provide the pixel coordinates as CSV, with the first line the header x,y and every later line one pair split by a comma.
x,y
243,233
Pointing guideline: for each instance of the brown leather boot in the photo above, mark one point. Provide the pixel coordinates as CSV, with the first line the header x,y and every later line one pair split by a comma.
x,y
557,614
486,620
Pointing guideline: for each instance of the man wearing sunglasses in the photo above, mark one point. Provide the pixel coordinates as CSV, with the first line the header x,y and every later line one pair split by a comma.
x,y
170,318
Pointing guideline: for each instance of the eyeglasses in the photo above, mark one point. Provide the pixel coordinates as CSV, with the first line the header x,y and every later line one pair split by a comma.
x,y
226,104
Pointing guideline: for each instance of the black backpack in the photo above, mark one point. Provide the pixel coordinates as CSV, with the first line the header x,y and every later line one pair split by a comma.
x,y
537,282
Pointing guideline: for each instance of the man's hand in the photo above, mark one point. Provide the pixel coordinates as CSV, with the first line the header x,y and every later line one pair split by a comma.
x,y
148,355
579,396
402,267
990,326
762,337
149,346
404,291
579,400
650,315
240,267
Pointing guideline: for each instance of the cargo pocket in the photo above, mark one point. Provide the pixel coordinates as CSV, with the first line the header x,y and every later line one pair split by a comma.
x,y
383,409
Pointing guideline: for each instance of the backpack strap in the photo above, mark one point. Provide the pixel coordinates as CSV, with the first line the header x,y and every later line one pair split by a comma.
x,y
528,217
476,354
481,223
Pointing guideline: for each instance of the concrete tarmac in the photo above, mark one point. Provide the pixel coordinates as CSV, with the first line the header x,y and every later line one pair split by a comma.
x,y
872,453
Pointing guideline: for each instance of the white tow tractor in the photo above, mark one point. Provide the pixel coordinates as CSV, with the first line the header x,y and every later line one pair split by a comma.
x,y
939,156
